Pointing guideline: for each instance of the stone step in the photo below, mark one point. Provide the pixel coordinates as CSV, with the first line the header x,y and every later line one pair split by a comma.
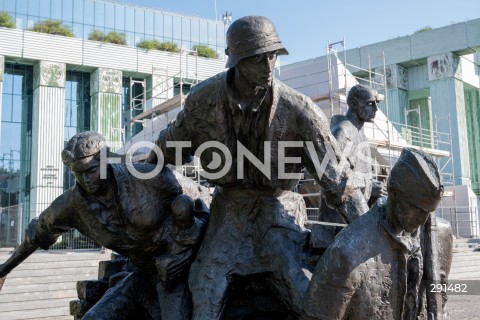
x,y
52,256
28,287
57,265
465,276
91,274
73,270
44,313
33,305
39,295
43,285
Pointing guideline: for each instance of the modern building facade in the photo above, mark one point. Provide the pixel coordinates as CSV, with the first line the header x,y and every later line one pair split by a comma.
x,y
53,86
432,87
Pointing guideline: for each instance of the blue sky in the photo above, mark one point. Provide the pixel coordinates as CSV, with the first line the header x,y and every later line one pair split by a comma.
x,y
306,26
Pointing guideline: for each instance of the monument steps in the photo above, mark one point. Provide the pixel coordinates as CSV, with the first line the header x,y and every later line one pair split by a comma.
x,y
45,283
465,263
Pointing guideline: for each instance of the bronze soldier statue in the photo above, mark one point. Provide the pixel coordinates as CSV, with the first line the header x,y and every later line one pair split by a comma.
x,y
257,223
375,267
348,130
131,216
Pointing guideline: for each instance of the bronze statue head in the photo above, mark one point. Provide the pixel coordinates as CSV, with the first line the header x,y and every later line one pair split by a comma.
x,y
82,156
250,36
414,188
364,100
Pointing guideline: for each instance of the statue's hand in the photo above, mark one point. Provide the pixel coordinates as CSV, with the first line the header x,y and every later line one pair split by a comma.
x,y
379,189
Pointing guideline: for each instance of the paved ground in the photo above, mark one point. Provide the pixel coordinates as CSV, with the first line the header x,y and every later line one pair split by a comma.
x,y
463,307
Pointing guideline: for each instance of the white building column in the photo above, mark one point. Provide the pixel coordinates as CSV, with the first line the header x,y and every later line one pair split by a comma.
x,y
448,99
106,105
48,119
159,88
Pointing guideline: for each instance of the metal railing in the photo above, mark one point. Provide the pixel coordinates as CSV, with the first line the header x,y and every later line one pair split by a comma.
x,y
10,225
71,240
464,220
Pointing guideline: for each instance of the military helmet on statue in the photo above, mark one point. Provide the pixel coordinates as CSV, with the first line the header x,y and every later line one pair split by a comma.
x,y
249,36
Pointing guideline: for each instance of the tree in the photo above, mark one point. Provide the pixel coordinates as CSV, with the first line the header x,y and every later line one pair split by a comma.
x,y
204,51
52,27
157,45
6,20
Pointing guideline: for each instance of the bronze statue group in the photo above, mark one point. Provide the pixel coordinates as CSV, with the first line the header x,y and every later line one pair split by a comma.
x,y
184,257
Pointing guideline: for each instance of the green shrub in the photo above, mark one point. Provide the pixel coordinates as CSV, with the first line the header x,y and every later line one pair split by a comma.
x,y
149,44
6,20
111,37
52,27
96,35
204,51
115,37
157,45
169,46
426,28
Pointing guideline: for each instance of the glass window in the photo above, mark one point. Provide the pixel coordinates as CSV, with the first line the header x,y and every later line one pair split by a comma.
x,y
78,9
220,35
7,107
87,29
139,20
109,15
167,26
16,108
9,5
158,24
130,38
185,29
7,82
195,31
21,21
119,17
212,33
129,19
45,9
99,14
17,84
149,26
78,30
177,27
34,7
31,21
22,6
203,31
56,9
67,10
89,12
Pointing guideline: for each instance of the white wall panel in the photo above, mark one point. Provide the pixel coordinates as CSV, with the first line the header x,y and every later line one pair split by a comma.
x,y
41,46
109,56
11,42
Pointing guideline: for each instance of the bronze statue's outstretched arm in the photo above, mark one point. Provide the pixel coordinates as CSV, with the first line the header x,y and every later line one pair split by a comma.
x,y
41,232
19,255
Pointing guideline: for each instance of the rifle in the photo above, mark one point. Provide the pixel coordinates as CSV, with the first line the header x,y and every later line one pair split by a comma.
x,y
432,269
